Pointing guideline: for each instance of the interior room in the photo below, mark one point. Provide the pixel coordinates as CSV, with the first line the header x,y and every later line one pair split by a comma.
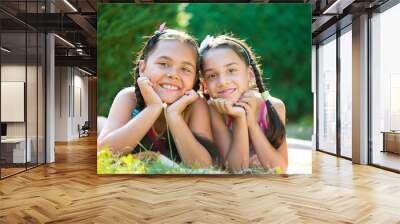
x,y
49,126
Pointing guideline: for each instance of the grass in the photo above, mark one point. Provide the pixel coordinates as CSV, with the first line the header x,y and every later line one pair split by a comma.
x,y
149,162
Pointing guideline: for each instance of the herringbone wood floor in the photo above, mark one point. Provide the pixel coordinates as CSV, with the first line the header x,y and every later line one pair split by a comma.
x,y
70,191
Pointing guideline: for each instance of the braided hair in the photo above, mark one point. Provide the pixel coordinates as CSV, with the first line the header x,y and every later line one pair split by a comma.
x,y
150,45
276,129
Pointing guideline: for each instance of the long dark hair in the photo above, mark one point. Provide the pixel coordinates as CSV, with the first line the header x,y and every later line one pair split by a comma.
x,y
168,34
276,130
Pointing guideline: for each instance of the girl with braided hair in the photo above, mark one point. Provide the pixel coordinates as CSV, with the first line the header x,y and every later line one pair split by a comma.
x,y
248,124
163,104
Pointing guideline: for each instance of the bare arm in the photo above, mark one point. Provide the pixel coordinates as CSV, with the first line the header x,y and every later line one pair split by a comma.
x,y
121,133
269,156
238,156
237,149
190,150
222,135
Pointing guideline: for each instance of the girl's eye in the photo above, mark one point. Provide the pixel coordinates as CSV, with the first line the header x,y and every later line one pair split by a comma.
x,y
187,70
232,70
211,76
163,64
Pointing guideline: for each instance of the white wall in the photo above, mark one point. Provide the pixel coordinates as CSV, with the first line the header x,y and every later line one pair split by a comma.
x,y
71,94
34,123
12,73
16,73
81,84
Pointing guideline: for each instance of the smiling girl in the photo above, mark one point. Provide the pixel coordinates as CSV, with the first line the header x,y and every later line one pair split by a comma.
x,y
164,97
248,124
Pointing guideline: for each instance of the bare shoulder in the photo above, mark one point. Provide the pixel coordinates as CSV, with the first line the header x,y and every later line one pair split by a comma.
x,y
120,111
279,106
277,103
198,109
126,94
124,103
198,105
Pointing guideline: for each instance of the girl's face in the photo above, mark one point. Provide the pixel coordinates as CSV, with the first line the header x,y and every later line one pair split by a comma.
x,y
225,74
171,67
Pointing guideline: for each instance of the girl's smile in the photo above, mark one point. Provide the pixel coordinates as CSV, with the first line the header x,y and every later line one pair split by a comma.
x,y
168,88
225,74
225,93
171,68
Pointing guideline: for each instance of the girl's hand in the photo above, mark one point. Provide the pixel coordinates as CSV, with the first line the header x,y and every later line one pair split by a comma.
x,y
227,107
149,95
180,105
250,102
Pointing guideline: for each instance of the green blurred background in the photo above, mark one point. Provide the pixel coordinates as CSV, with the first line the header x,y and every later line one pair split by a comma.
x,y
280,35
